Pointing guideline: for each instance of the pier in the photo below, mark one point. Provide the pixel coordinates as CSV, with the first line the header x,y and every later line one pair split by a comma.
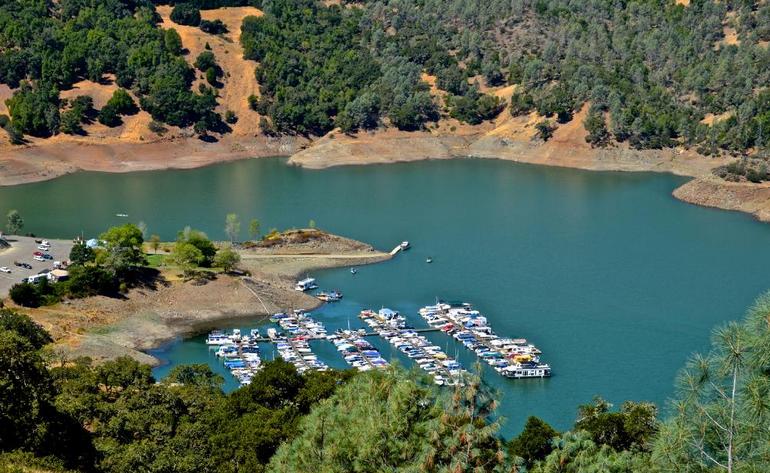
x,y
365,334
511,358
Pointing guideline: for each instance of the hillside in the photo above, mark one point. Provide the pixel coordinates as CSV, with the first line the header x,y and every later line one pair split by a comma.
x,y
238,81
655,73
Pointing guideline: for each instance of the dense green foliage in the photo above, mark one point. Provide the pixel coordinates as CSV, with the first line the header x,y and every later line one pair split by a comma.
x,y
91,272
656,67
55,44
311,63
185,424
389,422
213,27
652,70
116,418
81,110
322,67
186,14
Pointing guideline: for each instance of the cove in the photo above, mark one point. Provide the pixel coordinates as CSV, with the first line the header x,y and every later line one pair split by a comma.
x,y
615,280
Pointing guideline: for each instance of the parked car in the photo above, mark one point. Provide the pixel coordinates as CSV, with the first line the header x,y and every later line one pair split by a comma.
x,y
3,269
37,253
47,256
38,258
43,247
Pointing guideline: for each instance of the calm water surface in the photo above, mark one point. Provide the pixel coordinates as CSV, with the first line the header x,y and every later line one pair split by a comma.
x,y
616,281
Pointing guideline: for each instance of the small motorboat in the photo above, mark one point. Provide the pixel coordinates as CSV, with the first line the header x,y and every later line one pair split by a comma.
x,y
121,215
333,296
405,245
429,260
353,271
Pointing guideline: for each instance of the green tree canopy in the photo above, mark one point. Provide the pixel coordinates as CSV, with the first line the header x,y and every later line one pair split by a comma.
x,y
14,222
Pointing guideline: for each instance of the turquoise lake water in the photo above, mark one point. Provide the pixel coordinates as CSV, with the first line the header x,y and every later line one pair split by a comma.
x,y
615,280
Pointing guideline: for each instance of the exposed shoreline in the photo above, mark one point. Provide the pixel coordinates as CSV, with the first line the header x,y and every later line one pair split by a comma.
x,y
149,317
48,161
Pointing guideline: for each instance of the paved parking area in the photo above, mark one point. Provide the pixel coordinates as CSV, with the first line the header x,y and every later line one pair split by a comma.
x,y
21,250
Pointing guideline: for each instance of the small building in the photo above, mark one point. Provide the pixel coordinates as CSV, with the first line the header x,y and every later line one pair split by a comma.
x,y
58,275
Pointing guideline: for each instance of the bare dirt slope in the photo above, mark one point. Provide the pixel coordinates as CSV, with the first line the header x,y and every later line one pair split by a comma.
x,y
132,146
238,79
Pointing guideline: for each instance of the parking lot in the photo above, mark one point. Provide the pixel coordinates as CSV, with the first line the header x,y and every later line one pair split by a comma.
x,y
21,250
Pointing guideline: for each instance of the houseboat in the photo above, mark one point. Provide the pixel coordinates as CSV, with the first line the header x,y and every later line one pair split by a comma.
x,y
306,284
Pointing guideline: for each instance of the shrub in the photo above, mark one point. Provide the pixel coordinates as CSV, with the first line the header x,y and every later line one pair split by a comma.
x,y
186,14
545,129
231,117
205,61
521,104
157,127
122,102
213,27
25,294
109,116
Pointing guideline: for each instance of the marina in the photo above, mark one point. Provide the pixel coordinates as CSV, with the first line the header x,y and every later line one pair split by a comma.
x,y
297,351
298,324
356,351
548,272
512,358
238,353
392,326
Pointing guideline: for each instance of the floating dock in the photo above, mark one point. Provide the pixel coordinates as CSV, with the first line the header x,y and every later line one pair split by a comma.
x,y
512,358
391,326
358,353
297,352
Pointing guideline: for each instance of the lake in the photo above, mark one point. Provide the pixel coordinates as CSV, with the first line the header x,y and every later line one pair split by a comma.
x,y
615,280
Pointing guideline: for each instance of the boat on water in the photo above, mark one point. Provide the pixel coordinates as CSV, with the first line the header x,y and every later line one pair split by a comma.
x,y
239,353
405,245
511,358
306,284
353,271
121,215
429,260
333,296
391,326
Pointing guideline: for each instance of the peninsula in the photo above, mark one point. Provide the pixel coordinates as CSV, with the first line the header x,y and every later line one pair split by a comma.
x,y
168,304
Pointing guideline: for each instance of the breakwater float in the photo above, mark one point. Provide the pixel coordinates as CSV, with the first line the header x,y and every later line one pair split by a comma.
x,y
510,357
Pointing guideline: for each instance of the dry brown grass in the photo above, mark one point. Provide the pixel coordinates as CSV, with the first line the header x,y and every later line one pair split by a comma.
x,y
238,80
710,118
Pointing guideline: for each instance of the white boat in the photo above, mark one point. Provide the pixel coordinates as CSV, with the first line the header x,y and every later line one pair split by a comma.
x,y
405,245
333,296
306,284
121,215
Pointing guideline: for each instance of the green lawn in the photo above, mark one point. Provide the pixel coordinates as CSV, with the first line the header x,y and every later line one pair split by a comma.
x,y
155,261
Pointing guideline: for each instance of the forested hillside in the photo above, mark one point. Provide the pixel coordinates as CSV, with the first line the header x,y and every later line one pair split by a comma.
x,y
656,73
